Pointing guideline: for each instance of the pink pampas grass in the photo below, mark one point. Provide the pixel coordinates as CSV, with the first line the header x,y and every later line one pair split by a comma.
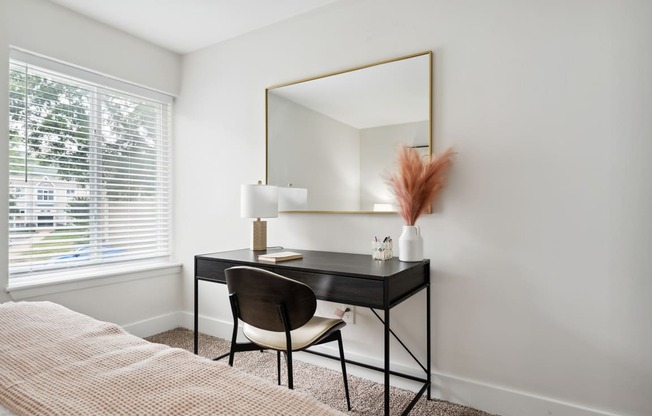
x,y
418,182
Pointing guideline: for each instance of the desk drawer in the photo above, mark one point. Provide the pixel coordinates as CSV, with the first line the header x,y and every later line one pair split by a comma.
x,y
211,270
207,269
344,289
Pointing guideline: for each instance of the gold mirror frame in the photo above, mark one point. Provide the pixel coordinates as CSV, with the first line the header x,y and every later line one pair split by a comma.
x,y
332,74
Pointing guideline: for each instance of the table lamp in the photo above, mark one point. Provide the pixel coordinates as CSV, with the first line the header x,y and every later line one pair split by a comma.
x,y
291,198
259,201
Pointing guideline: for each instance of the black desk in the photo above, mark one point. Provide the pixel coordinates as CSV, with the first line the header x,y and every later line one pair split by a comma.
x,y
353,279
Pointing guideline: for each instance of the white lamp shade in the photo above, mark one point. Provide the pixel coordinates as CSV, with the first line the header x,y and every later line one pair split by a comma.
x,y
292,199
258,201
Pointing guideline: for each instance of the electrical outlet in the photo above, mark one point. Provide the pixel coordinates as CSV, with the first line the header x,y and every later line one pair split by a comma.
x,y
349,314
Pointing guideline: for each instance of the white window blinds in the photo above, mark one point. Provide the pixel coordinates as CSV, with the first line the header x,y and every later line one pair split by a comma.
x,y
88,170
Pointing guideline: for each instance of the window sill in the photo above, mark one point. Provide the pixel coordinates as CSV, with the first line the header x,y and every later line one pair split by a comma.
x,y
76,280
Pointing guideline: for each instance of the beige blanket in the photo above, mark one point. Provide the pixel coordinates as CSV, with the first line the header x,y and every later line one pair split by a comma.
x,y
56,361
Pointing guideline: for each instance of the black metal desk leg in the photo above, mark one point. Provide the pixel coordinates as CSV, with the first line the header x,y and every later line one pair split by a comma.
x,y
428,342
196,315
387,369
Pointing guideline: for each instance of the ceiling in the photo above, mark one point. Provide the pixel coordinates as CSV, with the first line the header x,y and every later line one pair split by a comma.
x,y
184,26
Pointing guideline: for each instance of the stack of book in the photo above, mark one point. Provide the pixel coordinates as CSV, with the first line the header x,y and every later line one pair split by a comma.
x,y
280,256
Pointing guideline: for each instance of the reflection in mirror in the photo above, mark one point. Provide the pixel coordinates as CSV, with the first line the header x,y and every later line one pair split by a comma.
x,y
335,137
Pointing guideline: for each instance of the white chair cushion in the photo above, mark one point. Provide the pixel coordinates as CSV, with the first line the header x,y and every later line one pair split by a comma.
x,y
301,337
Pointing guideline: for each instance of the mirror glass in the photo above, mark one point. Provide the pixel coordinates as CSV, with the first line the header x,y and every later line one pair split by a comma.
x,y
334,137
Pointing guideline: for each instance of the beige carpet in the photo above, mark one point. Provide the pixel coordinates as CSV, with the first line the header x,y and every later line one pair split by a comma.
x,y
323,384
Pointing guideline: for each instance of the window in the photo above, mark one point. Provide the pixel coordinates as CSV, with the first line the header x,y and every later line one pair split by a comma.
x,y
45,194
88,169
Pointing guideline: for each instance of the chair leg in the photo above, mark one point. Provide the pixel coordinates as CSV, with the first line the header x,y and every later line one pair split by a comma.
x,y
278,366
231,355
346,383
233,344
233,301
290,378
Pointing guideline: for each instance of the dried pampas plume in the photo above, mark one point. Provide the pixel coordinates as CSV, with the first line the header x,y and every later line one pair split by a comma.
x,y
418,182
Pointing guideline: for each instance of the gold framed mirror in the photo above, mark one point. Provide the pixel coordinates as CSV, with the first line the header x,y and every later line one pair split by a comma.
x,y
334,137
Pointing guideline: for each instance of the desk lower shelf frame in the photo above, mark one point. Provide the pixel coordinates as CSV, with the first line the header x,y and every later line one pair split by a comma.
x,y
352,279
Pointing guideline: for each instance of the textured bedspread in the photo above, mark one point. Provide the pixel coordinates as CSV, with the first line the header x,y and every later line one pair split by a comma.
x,y
56,361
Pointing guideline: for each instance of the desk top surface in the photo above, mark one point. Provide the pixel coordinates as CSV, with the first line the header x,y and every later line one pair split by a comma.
x,y
322,261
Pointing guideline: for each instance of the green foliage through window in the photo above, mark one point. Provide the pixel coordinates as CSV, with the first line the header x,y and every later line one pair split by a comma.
x,y
102,155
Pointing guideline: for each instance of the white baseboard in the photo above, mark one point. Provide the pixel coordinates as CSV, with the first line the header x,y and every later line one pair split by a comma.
x,y
484,396
211,326
487,397
155,325
504,401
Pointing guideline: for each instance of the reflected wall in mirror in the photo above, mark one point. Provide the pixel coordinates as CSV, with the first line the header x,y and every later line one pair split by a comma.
x,y
337,135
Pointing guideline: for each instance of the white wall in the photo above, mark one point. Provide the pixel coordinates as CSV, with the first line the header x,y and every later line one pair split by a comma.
x,y
44,28
540,246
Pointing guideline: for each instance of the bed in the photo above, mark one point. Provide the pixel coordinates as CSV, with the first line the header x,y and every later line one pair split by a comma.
x,y
57,361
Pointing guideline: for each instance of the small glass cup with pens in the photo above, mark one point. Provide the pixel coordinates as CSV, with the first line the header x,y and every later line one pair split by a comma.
x,y
382,249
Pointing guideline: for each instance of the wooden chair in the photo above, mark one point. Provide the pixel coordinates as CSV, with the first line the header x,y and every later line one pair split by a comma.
x,y
278,314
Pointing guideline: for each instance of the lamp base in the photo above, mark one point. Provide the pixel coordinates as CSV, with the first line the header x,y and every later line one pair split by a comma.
x,y
259,236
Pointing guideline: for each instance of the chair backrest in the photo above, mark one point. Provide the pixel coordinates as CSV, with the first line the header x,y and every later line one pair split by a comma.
x,y
259,293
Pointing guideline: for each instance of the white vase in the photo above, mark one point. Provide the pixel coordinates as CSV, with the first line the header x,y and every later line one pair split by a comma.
x,y
410,244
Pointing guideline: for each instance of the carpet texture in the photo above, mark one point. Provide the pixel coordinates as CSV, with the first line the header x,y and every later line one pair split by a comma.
x,y
324,384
